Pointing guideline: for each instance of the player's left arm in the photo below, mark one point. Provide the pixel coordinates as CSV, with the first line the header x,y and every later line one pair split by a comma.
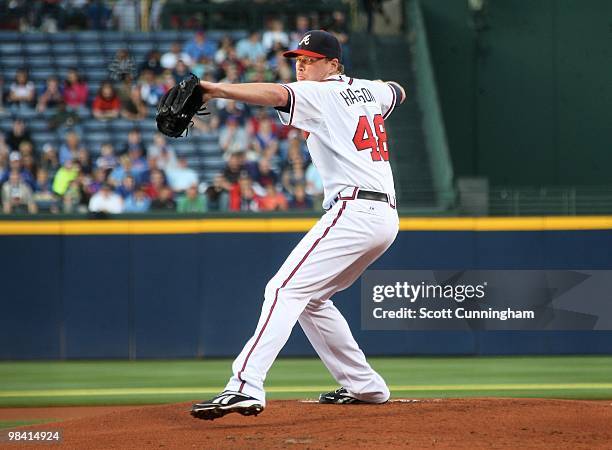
x,y
264,94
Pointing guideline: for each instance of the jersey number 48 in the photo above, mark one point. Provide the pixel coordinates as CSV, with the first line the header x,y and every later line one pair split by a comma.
x,y
375,141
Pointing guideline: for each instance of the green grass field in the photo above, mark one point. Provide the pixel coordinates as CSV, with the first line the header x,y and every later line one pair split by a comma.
x,y
141,382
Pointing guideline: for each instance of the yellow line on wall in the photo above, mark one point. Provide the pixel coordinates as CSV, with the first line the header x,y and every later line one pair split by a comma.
x,y
294,225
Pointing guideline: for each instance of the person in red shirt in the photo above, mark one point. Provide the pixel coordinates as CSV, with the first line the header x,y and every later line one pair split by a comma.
x,y
75,91
106,105
273,200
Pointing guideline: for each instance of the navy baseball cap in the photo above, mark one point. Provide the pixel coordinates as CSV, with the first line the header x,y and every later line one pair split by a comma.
x,y
318,44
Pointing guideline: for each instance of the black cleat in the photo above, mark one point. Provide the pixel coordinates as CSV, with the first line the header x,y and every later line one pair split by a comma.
x,y
225,403
339,397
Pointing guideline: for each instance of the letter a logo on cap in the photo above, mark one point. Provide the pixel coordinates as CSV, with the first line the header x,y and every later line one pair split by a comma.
x,y
305,40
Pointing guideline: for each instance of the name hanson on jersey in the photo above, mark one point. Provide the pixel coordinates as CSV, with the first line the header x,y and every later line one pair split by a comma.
x,y
352,96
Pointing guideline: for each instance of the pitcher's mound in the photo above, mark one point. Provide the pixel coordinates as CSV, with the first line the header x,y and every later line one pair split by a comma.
x,y
455,423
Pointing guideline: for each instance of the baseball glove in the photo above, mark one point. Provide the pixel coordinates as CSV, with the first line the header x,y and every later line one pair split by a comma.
x,y
178,106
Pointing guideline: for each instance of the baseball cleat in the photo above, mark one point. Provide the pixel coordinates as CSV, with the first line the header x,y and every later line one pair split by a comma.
x,y
225,403
339,397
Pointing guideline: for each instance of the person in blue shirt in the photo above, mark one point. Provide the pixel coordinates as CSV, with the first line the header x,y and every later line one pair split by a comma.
x,y
200,46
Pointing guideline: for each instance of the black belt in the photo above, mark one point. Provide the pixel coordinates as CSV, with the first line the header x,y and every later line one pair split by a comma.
x,y
364,195
371,195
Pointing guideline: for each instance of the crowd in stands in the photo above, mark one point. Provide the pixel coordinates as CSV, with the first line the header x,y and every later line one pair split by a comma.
x,y
267,166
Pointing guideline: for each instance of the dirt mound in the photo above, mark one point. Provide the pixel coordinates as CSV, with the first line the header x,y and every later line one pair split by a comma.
x,y
455,423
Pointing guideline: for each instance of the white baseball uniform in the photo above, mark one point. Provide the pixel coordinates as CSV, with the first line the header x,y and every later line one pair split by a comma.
x,y
348,144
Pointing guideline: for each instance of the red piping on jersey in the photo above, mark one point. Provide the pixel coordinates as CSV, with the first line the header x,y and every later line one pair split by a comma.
x,y
353,196
332,79
392,107
282,286
350,81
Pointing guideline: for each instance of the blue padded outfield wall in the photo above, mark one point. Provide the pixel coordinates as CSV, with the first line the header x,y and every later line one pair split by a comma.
x,y
199,294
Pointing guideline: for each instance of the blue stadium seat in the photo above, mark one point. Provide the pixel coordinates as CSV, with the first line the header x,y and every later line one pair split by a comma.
x,y
93,126
97,74
9,36
34,37
90,48
140,37
89,36
66,61
64,48
60,37
40,75
43,60
93,61
37,48
11,48
13,61
40,138
38,125
167,36
121,125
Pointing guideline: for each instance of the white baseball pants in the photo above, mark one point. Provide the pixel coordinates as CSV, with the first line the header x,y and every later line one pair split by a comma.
x,y
332,255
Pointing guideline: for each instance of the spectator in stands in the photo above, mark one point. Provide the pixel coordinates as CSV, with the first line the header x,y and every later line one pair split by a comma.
x,y
65,119
43,195
138,163
71,146
169,59
181,176
64,176
137,203
127,187
204,68
99,178
107,160
167,81
339,28
4,148
299,200
234,167
293,175
265,142
231,108
72,198
164,202
191,201
17,196
134,141
259,72
273,200
222,52
251,49
106,105
295,149
48,16
217,194
162,152
51,97
22,92
106,201
181,71
126,15
152,62
263,174
133,108
242,197
49,160
275,35
98,15
156,183
122,66
30,167
233,137
18,134
75,91
2,110
83,159
26,148
121,171
200,46
150,89
16,165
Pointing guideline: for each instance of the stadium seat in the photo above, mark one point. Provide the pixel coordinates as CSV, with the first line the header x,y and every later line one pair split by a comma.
x,y
37,48
90,48
38,125
13,61
64,48
66,61
89,36
60,37
43,60
40,75
9,36
92,61
10,48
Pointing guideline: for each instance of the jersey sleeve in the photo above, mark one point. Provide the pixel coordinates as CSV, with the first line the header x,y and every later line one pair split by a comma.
x,y
304,110
388,95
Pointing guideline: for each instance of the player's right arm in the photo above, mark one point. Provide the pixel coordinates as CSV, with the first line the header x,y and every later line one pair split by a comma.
x,y
264,94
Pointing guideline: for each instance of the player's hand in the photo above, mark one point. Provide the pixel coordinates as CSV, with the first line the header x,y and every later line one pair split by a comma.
x,y
209,89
